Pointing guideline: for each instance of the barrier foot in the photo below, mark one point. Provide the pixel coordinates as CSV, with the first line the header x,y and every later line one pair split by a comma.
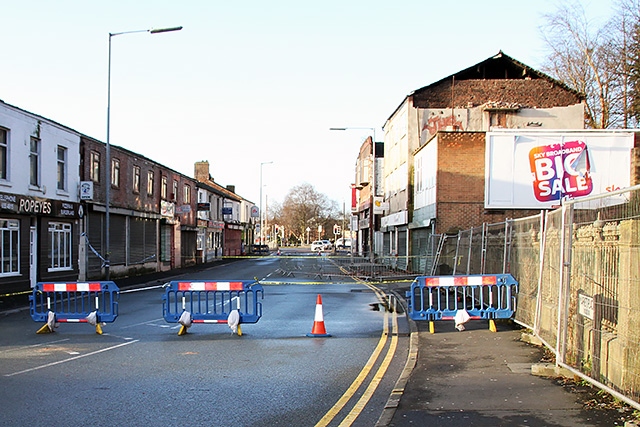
x,y
239,331
492,325
44,330
183,330
432,329
98,329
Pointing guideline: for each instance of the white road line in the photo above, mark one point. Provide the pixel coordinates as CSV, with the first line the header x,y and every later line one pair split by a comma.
x,y
69,359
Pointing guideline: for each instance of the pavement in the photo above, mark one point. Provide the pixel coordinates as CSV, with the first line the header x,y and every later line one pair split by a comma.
x,y
481,378
457,378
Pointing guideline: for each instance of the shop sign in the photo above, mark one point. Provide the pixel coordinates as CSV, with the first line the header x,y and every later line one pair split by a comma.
x,y
26,205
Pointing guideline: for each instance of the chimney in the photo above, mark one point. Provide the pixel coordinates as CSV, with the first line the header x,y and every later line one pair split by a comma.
x,y
201,171
231,188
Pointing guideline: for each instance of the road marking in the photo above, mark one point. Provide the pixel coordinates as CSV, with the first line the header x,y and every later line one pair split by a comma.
x,y
69,359
373,385
355,385
375,381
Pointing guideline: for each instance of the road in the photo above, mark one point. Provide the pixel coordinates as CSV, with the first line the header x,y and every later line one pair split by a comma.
x,y
141,372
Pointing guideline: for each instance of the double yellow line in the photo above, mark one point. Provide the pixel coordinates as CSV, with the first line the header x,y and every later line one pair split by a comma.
x,y
364,373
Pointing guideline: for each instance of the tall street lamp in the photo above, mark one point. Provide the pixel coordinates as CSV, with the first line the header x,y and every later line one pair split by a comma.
x,y
107,256
372,221
261,215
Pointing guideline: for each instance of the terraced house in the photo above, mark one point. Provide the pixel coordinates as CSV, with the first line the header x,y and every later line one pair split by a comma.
x,y
39,207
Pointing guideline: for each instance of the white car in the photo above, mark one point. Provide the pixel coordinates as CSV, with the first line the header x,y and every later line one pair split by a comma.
x,y
327,245
343,243
317,245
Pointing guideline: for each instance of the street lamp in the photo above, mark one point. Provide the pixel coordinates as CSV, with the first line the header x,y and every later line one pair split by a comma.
x,y
108,148
261,215
372,221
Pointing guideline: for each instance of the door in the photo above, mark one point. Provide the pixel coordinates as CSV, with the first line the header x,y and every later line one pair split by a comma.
x,y
33,257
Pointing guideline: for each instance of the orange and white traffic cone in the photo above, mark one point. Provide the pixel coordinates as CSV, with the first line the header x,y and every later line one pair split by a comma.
x,y
318,329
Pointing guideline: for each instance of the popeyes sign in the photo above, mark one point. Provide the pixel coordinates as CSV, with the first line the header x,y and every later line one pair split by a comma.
x,y
537,169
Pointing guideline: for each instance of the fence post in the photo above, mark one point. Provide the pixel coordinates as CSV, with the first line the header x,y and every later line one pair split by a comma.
x,y
507,242
483,261
566,234
543,241
470,248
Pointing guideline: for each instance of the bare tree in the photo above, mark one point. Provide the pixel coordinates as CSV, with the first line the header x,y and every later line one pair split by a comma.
x,y
304,207
595,60
628,24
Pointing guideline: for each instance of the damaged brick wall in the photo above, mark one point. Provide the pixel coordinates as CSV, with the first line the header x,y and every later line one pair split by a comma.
x,y
527,93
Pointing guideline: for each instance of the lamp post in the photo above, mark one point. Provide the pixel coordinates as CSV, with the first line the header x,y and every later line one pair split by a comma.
x,y
107,255
372,221
261,215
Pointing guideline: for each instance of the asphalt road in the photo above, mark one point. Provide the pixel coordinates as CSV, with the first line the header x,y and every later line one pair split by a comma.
x,y
140,372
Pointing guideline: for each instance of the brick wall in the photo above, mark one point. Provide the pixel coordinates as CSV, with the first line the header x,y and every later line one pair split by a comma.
x,y
530,93
460,184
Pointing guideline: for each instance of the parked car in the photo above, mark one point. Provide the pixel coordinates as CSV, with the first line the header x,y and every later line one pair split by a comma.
x,y
260,250
317,245
345,243
327,245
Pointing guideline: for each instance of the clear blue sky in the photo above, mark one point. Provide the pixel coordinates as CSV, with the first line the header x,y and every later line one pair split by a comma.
x,y
252,81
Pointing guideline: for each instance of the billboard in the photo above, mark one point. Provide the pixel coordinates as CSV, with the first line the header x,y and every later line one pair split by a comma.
x,y
537,169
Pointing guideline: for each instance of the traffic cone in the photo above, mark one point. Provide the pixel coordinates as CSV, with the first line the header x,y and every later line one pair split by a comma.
x,y
318,329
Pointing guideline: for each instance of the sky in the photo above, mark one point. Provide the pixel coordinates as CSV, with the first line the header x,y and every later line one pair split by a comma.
x,y
252,87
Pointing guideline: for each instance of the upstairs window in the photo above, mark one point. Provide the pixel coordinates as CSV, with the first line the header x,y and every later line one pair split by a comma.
x,y
150,183
186,195
94,172
4,153
62,168
136,179
163,193
115,172
34,162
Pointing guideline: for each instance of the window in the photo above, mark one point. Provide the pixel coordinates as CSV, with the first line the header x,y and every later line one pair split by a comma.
x,y
150,183
4,153
136,179
95,167
60,250
175,190
34,162
186,195
9,246
115,172
62,168
163,193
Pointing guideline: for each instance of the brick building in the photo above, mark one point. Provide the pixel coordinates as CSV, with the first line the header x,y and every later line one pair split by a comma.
x,y
434,146
152,214
366,210
227,212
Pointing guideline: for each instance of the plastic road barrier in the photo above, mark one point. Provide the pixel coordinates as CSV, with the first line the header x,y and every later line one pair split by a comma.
x,y
462,298
232,303
95,303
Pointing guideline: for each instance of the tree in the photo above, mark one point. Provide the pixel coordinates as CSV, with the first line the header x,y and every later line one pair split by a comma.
x,y
596,61
304,207
629,22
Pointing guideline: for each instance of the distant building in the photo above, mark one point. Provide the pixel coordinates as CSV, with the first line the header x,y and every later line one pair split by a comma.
x,y
368,210
229,211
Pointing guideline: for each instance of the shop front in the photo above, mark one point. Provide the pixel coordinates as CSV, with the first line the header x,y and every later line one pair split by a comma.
x,y
38,241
